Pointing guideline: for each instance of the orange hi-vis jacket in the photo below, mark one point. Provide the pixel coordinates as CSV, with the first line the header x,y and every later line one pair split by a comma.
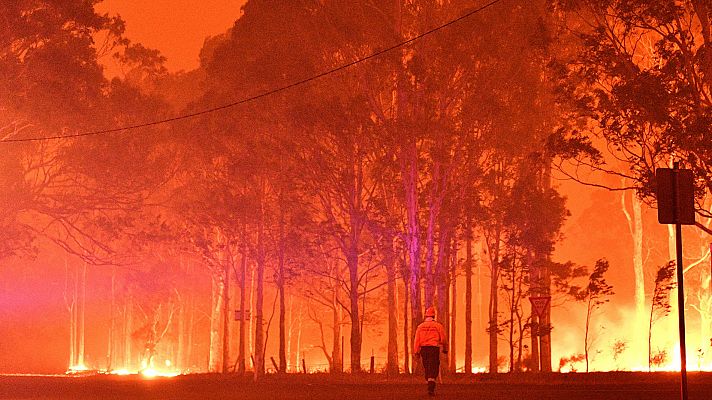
x,y
430,333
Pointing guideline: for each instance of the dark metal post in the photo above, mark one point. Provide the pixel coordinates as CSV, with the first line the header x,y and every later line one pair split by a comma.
x,y
680,287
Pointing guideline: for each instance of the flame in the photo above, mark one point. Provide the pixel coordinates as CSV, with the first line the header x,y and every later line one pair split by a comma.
x,y
76,369
620,343
149,371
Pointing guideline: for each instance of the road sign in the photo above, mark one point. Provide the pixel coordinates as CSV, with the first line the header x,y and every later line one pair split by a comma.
x,y
238,315
675,189
539,304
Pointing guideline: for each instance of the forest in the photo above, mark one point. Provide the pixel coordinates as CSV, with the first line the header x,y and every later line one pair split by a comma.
x,y
333,168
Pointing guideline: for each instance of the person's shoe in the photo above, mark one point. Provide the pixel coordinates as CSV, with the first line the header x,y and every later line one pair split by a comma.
x,y
431,388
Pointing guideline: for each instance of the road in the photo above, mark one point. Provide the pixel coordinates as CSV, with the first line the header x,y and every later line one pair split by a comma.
x,y
613,386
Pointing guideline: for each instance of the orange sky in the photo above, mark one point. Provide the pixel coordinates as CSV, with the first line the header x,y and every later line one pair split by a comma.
x,y
175,27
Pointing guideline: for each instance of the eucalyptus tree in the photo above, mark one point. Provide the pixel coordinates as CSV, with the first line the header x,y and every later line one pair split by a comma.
x,y
644,87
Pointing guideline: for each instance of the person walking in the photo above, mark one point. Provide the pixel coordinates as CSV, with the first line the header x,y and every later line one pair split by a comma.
x,y
429,339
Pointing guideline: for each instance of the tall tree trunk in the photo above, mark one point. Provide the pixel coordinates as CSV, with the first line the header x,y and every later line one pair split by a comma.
x,y
406,301
70,289
82,313
352,262
453,309
433,213
493,326
536,289
112,322
243,312
259,318
585,338
545,322
299,338
214,353
392,363
409,162
337,361
251,330
226,316
441,274
545,325
635,227
468,294
280,288
512,307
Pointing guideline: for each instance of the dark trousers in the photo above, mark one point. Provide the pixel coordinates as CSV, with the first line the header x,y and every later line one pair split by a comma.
x,y
431,361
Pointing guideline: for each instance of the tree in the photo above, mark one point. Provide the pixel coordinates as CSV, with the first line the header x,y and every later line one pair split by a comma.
x,y
660,302
640,80
595,294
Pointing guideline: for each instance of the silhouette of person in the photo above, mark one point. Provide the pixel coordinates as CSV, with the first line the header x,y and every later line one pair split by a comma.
x,y
429,339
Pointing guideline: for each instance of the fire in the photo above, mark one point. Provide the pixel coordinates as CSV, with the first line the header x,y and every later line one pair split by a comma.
x,y
618,341
77,369
149,371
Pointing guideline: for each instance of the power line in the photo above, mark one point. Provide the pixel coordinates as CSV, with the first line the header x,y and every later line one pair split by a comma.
x,y
264,94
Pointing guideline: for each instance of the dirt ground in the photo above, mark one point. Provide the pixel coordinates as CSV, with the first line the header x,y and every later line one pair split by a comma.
x,y
595,386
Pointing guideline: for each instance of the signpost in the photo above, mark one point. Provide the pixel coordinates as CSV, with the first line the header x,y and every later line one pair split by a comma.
x,y
676,205
539,304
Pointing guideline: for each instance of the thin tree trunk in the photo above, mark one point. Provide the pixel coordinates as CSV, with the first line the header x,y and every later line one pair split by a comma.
x,y
535,284
406,302
112,323
290,332
352,262
72,309
585,339
243,312
214,353
82,313
441,274
468,295
280,288
512,305
337,361
226,316
409,161
392,363
251,336
545,323
650,334
493,305
259,323
635,227
453,309
299,336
